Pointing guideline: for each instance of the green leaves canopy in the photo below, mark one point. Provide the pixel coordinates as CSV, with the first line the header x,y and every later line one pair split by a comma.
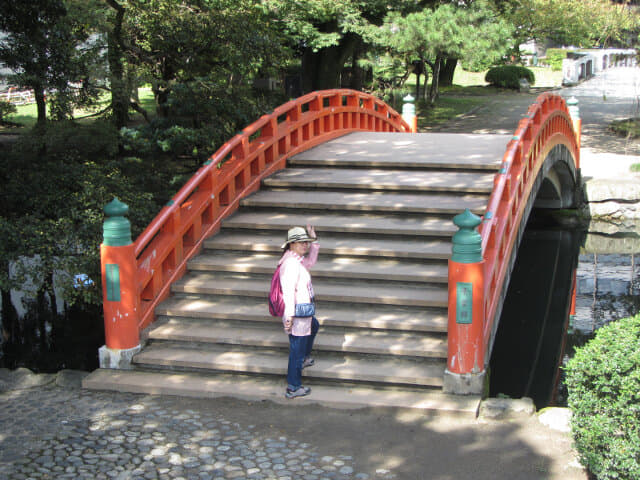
x,y
474,32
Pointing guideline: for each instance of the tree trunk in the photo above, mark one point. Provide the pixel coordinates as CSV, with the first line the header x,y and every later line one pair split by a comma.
x,y
41,105
417,86
357,74
119,90
433,91
321,69
446,72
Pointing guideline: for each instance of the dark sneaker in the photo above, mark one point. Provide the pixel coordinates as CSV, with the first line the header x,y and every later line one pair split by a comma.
x,y
298,392
308,362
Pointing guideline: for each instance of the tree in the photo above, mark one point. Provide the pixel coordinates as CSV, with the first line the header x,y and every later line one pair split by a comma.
x,y
224,43
583,23
48,51
329,33
474,33
116,51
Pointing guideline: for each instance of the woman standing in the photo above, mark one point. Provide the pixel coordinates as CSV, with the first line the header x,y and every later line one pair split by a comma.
x,y
300,254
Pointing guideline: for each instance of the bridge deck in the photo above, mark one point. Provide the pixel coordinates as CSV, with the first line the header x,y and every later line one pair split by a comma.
x,y
418,150
382,204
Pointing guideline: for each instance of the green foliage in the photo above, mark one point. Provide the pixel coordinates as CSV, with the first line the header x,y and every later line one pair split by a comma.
x,y
554,57
583,23
200,117
603,380
388,72
508,76
50,49
6,108
174,46
472,33
629,127
54,187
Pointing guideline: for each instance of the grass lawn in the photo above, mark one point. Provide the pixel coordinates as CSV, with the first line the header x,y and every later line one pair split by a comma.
x,y
27,114
445,108
468,91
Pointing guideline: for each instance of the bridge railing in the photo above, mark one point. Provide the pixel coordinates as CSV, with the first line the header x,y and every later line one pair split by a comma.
x,y
159,256
479,270
547,124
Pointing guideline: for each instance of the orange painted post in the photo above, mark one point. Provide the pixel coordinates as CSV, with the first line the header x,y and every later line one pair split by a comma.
x,y
409,113
120,298
465,370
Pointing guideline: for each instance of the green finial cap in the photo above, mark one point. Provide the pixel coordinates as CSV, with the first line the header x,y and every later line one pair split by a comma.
x,y
467,242
116,230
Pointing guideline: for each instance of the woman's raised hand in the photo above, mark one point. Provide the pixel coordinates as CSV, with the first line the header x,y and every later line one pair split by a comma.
x,y
311,231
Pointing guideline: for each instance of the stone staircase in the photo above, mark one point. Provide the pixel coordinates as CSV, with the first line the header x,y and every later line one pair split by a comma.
x,y
382,206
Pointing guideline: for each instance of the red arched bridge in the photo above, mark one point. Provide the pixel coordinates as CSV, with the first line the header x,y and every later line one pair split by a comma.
x,y
409,299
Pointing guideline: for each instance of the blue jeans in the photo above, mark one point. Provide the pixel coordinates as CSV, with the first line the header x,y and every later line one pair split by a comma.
x,y
299,349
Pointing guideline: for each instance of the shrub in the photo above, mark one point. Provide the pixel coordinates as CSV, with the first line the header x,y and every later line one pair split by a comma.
x,y
554,57
603,380
508,76
629,127
6,109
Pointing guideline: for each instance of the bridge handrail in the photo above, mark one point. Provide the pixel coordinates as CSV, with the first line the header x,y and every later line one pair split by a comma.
x,y
546,124
236,170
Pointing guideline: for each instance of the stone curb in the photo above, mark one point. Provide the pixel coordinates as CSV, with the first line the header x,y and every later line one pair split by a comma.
x,y
24,379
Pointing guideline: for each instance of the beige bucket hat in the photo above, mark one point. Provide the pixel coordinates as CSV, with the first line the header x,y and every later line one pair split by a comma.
x,y
297,234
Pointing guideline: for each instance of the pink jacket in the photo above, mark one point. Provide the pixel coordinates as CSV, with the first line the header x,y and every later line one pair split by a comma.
x,y
296,286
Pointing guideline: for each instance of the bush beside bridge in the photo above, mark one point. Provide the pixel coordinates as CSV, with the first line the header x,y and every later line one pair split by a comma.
x,y
603,379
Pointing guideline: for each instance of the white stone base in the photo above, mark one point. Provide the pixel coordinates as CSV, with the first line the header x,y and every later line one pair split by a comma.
x,y
117,359
463,383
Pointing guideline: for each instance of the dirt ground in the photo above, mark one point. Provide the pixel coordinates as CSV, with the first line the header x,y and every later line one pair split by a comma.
x,y
411,446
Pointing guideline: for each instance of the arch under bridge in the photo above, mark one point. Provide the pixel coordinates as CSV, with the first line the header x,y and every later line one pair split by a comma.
x,y
405,322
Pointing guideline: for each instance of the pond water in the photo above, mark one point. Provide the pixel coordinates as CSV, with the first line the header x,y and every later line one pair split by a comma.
x,y
539,327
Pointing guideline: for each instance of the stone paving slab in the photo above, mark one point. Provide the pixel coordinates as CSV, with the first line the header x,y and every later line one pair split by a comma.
x,y
416,225
326,267
240,333
409,203
420,181
377,317
334,366
436,150
335,291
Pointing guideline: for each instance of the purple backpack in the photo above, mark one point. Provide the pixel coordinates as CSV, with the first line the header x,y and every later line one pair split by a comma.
x,y
276,302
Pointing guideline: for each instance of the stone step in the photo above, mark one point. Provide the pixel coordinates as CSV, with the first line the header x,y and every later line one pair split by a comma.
x,y
273,336
327,366
326,291
439,204
420,151
369,224
387,180
334,244
255,309
325,267
254,388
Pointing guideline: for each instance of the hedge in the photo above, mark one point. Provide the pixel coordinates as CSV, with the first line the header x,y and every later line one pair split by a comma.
x,y
508,76
603,380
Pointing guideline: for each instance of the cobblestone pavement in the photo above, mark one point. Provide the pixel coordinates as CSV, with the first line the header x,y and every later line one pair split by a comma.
x,y
52,429
78,434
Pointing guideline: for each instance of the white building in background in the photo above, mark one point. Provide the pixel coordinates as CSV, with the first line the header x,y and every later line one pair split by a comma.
x,y
583,64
